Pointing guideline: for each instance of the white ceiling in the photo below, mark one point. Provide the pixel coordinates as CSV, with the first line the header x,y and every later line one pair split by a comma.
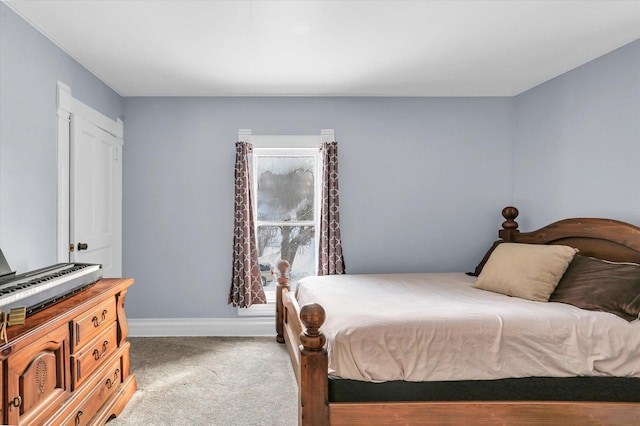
x,y
331,48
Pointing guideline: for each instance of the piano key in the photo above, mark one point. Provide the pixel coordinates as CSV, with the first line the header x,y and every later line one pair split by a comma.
x,y
46,286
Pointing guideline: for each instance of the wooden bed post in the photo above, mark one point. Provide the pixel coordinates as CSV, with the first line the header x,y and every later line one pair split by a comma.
x,y
510,226
313,380
283,283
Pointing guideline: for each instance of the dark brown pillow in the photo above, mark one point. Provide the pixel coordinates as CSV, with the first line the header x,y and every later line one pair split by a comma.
x,y
478,269
598,285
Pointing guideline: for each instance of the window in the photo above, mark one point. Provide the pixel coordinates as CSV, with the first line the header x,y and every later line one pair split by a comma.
x,y
286,181
287,211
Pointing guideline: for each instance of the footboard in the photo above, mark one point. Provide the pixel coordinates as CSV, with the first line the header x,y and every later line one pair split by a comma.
x,y
300,330
291,329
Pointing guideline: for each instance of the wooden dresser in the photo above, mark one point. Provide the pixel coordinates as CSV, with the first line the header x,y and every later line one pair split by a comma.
x,y
69,364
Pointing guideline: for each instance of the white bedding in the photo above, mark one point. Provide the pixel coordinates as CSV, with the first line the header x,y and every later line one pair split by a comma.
x,y
434,327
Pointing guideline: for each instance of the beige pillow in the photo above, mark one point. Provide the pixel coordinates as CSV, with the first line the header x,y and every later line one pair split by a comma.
x,y
529,271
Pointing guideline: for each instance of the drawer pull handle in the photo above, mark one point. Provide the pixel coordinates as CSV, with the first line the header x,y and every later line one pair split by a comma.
x,y
80,413
98,323
15,402
115,379
96,353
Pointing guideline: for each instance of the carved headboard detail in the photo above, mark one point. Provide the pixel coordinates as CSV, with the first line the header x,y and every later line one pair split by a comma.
x,y
602,238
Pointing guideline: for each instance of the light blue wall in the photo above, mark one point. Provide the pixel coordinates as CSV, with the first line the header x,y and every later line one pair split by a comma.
x,y
422,179
577,143
30,66
422,183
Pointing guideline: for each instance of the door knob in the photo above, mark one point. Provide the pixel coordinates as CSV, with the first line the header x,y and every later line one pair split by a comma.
x,y
82,246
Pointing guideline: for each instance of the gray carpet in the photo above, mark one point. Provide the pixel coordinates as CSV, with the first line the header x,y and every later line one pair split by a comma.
x,y
210,381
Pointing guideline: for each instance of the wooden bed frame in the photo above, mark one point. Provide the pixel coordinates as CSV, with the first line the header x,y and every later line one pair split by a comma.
x,y
299,328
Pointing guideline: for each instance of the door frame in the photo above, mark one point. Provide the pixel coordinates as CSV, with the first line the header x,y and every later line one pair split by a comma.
x,y
68,105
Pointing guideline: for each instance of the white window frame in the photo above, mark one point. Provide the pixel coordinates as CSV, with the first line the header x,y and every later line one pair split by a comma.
x,y
279,145
315,222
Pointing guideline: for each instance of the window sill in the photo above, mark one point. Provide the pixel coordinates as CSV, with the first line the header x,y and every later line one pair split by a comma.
x,y
263,310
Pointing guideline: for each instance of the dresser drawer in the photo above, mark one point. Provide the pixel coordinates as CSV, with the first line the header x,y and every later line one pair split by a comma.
x,y
92,323
97,395
92,355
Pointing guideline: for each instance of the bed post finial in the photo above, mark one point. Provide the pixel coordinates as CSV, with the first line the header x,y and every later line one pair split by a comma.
x,y
313,404
510,226
510,213
312,317
283,283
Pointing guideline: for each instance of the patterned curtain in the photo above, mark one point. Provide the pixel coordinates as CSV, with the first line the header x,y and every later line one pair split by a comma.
x,y
331,261
246,285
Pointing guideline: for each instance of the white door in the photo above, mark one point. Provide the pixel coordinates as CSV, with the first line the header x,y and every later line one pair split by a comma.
x,y
94,196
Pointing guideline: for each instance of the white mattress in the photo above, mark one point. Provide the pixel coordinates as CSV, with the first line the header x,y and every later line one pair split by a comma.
x,y
435,327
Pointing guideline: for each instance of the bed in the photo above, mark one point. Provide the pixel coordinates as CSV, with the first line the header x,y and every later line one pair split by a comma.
x,y
588,370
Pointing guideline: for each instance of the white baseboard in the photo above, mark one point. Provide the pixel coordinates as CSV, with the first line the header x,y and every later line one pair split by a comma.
x,y
160,327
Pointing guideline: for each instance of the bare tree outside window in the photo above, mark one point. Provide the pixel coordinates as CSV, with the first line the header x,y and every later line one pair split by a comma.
x,y
286,211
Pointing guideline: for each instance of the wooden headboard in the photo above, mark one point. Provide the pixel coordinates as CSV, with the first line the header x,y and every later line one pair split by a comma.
x,y
602,238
